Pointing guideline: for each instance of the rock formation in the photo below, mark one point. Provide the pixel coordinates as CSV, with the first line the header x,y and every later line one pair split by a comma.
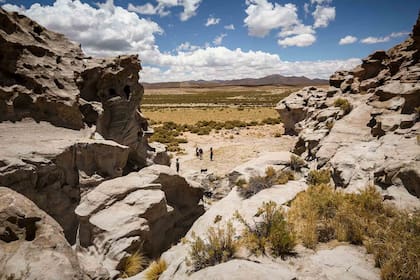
x,y
148,210
365,127
45,77
32,243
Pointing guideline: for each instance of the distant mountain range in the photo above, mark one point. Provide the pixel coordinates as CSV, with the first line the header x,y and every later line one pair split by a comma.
x,y
277,80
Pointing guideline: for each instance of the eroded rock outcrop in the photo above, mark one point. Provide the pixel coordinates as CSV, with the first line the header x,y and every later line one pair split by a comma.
x,y
53,166
87,124
45,76
365,127
32,244
148,210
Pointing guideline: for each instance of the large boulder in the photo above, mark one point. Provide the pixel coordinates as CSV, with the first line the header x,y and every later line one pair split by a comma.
x,y
146,211
32,244
53,166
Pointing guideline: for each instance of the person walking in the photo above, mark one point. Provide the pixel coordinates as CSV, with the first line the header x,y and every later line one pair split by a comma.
x,y
177,165
211,153
200,151
196,152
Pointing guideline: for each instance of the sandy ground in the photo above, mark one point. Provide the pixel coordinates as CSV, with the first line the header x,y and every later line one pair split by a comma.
x,y
231,148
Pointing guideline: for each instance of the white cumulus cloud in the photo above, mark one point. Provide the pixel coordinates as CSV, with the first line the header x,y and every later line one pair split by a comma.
x,y
264,16
212,21
347,40
323,15
301,40
375,40
109,30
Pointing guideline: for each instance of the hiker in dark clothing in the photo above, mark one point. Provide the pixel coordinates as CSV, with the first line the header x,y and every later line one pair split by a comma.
x,y
196,152
177,165
200,151
211,153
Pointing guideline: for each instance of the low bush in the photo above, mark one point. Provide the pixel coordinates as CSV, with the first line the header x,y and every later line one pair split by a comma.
x,y
258,183
217,247
271,121
344,105
271,234
316,177
296,162
155,269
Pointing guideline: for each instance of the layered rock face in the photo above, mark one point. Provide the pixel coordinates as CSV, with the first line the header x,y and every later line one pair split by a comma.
x,y
93,129
148,210
365,127
55,169
32,243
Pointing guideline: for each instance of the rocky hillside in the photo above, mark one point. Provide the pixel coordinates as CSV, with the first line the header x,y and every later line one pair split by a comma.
x,y
84,196
365,127
70,131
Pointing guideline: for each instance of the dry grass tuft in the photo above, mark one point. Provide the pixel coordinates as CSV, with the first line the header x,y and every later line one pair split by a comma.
x,y
344,105
133,264
320,214
155,269
217,247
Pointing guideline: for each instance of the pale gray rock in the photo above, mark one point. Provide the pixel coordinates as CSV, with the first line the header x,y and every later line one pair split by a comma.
x,y
52,166
32,244
148,210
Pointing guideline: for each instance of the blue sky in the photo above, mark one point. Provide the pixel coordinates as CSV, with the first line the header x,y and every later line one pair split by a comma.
x,y
215,39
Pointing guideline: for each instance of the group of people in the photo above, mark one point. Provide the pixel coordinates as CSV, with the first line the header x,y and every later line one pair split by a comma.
x,y
199,153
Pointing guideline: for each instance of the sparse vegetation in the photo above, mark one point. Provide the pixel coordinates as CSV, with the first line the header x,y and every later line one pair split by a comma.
x,y
271,234
321,214
168,132
217,247
296,162
132,265
222,96
316,177
344,105
258,183
155,269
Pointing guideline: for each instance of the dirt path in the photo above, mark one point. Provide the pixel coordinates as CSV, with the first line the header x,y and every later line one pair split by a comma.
x,y
231,148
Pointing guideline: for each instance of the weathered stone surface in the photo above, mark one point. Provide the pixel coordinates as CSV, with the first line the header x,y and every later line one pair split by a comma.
x,y
345,261
32,244
150,210
376,143
46,77
53,166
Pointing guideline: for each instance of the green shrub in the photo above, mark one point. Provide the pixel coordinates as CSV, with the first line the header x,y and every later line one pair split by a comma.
x,y
272,234
219,246
316,177
344,105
